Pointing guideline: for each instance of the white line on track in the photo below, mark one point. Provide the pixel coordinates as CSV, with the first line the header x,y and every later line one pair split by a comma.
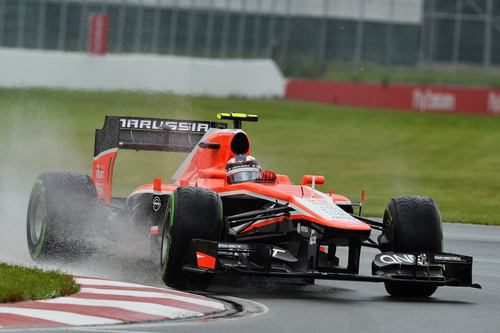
x,y
148,308
68,318
147,294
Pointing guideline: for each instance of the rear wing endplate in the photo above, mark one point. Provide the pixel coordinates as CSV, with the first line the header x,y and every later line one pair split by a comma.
x,y
136,133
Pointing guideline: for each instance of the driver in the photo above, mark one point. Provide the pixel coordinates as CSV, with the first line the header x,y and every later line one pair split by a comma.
x,y
245,168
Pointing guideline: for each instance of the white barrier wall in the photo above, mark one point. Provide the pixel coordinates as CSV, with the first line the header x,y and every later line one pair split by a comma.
x,y
181,75
396,11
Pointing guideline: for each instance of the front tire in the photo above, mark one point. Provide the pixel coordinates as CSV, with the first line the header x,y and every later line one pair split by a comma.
x,y
61,205
192,212
411,225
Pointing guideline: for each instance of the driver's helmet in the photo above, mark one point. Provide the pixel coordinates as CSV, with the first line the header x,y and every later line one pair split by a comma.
x,y
242,168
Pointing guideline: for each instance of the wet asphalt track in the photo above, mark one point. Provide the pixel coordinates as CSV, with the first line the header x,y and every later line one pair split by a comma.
x,y
333,306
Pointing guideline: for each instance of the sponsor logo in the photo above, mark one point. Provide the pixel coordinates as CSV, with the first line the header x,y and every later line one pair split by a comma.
x,y
100,189
232,246
99,172
158,125
431,100
155,230
494,102
327,210
448,258
277,251
302,229
308,232
156,203
403,259
312,239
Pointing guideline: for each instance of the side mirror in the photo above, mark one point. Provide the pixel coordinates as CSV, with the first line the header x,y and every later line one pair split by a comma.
x,y
313,180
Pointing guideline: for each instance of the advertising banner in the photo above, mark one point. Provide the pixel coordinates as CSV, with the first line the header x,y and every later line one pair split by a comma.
x,y
397,96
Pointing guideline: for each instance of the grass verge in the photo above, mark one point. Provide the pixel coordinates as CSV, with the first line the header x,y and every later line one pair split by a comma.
x,y
419,74
452,158
21,284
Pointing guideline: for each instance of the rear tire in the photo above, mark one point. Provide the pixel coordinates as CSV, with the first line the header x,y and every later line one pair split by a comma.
x,y
411,225
192,212
61,205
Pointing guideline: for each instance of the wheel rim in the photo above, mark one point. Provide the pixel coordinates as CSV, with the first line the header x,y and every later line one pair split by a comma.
x,y
164,249
165,240
37,217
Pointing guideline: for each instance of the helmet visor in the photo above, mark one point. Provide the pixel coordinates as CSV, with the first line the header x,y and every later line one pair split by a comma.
x,y
243,175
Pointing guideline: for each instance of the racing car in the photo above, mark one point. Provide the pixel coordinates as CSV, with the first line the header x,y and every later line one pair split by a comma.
x,y
223,213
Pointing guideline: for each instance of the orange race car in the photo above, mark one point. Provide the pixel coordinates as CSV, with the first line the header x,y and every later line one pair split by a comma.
x,y
223,213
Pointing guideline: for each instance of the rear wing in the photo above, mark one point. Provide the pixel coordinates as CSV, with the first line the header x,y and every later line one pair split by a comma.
x,y
136,133
151,134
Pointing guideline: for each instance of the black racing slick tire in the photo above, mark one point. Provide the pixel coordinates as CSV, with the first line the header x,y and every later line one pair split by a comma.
x,y
61,206
411,225
192,212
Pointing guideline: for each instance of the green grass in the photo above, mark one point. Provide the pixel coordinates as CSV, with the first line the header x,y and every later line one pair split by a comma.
x,y
21,283
424,74
453,158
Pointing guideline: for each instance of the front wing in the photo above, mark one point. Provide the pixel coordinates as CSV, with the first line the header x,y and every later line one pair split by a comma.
x,y
439,269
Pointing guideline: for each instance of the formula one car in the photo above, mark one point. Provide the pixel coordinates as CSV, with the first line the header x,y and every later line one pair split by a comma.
x,y
223,213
